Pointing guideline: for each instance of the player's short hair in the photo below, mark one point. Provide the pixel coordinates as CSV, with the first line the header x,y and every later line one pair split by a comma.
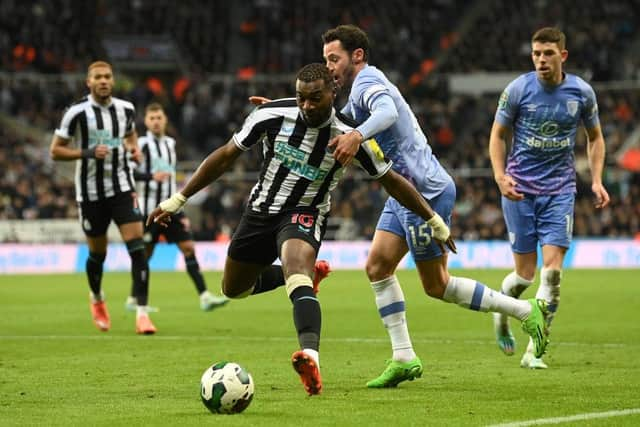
x,y
154,106
550,35
315,71
97,64
350,36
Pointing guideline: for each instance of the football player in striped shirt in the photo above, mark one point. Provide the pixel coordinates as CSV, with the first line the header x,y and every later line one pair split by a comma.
x,y
288,207
156,181
104,129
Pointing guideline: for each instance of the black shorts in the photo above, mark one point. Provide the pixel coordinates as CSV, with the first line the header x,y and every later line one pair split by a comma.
x,y
178,230
259,237
95,217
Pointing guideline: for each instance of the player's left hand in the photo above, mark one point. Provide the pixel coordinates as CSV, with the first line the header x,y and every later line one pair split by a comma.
x,y
345,146
136,155
162,213
602,197
159,216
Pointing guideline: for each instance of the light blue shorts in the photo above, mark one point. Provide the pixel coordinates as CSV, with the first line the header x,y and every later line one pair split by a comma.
x,y
547,220
399,220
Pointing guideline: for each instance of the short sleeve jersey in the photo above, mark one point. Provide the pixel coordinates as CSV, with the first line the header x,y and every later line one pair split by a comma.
x,y
545,121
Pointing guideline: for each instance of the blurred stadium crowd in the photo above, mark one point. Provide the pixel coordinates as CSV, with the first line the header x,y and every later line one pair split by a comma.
x,y
228,52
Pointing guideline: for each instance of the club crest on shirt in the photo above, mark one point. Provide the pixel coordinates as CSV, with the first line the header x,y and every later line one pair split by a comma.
x,y
572,107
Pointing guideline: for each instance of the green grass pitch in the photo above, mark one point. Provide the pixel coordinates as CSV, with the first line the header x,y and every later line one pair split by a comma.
x,y
56,368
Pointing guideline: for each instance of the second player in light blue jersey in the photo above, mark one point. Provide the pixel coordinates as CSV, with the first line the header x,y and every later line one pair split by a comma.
x,y
542,112
383,114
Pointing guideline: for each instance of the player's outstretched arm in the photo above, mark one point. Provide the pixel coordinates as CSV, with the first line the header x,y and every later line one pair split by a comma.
x,y
209,170
497,154
596,155
405,193
258,100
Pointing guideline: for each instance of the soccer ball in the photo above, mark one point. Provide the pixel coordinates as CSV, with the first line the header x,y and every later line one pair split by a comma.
x,y
226,388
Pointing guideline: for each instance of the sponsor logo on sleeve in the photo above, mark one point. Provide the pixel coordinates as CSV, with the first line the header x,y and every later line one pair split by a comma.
x,y
503,101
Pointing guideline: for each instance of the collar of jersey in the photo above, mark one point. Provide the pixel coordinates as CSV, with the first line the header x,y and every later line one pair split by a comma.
x,y
152,137
551,87
97,104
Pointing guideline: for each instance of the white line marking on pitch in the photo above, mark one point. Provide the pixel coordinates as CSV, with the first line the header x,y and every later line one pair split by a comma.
x,y
578,417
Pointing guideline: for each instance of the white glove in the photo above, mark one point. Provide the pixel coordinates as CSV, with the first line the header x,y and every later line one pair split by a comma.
x,y
439,229
173,204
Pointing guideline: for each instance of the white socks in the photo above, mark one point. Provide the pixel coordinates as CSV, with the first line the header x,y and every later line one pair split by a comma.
x,y
474,295
313,354
549,290
96,298
513,285
390,303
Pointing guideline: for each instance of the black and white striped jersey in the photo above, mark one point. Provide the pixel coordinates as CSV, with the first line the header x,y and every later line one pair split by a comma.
x,y
298,170
158,155
93,124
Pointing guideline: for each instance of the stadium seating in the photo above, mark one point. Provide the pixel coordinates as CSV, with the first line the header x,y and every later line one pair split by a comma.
x,y
273,39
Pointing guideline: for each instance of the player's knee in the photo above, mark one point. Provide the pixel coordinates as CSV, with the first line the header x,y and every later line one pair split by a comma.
x,y
377,270
188,250
234,292
296,281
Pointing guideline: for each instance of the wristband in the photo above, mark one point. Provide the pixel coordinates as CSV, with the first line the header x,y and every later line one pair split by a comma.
x,y
88,153
174,203
439,229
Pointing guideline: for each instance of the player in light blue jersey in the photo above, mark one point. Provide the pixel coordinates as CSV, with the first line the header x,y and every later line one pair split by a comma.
x,y
382,113
540,113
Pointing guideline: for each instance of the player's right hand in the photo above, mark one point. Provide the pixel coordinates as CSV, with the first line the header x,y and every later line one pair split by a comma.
x,y
258,100
601,196
441,234
162,214
507,186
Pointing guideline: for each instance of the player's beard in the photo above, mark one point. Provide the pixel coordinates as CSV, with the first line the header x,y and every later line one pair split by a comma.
x,y
348,76
102,96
